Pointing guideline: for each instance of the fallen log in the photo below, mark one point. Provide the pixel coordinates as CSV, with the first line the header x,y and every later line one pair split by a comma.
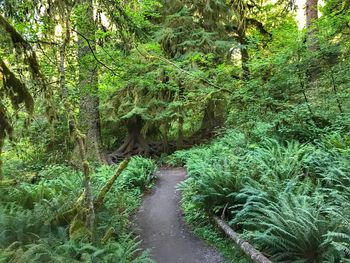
x,y
254,254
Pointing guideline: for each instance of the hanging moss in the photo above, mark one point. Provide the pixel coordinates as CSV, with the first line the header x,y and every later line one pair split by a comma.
x,y
22,46
5,129
12,87
15,89
30,59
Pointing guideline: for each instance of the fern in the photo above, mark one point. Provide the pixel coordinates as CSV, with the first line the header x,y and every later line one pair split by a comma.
x,y
292,228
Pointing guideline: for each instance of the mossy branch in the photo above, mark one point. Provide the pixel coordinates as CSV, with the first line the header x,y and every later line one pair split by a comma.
x,y
16,89
89,200
108,186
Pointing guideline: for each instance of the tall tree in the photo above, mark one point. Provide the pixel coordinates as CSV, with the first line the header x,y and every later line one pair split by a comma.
x,y
240,8
89,118
311,12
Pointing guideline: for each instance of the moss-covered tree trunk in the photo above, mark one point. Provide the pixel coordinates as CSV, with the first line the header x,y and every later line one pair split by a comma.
x,y
134,142
180,131
244,52
311,12
213,117
89,118
1,145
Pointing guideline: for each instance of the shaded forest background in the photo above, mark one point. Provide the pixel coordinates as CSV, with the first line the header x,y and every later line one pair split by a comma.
x,y
151,77
89,83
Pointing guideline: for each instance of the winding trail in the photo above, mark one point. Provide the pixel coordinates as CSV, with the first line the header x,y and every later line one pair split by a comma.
x,y
162,228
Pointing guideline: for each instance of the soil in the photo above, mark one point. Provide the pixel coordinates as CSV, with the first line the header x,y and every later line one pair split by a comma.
x,y
162,228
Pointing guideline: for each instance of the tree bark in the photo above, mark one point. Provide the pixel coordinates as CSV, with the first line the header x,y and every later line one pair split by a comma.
x,y
180,131
212,118
244,52
241,10
65,42
89,117
311,12
88,195
134,143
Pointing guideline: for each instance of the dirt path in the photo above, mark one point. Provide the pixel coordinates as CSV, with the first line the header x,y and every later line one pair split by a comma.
x,y
161,226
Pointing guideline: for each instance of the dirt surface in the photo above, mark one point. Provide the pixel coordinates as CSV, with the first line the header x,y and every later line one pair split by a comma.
x,y
162,228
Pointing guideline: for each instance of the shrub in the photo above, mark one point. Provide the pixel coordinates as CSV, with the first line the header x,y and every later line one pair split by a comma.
x,y
138,174
28,232
293,228
289,199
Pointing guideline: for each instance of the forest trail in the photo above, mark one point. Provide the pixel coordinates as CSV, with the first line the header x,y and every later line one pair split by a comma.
x,y
162,227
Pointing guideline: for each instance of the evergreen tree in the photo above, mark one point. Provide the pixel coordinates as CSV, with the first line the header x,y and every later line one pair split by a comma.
x,y
89,117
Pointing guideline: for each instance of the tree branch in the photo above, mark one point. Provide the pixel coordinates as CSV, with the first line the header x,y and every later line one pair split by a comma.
x,y
108,186
259,26
148,55
93,52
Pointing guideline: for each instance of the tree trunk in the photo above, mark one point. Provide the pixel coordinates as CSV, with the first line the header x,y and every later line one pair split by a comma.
x,y
134,143
311,12
88,195
213,118
242,40
89,118
107,187
180,131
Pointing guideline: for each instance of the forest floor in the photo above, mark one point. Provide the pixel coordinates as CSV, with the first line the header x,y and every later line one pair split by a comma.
x,y
162,228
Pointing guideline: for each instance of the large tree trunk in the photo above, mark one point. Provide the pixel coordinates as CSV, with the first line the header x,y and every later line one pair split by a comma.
x,y
213,118
134,143
311,12
241,10
89,118
244,52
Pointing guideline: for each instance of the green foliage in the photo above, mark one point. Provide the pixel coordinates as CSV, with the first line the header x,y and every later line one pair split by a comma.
x,y
272,161
280,171
291,229
288,199
28,212
138,174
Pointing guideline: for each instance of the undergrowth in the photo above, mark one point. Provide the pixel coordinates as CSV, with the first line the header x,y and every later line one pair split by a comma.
x,y
29,231
288,198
